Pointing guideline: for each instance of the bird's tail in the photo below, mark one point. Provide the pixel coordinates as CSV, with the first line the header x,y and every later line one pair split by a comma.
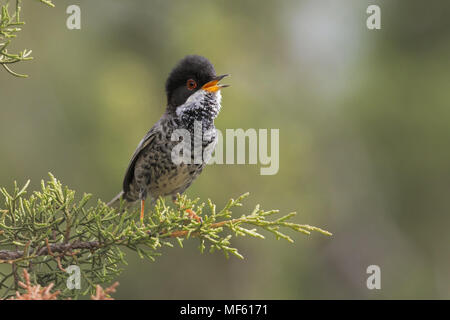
x,y
115,199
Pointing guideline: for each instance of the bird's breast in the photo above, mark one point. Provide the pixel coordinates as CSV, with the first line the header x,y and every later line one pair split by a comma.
x,y
159,174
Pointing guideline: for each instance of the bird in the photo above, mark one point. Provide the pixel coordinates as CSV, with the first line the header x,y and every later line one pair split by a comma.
x,y
193,99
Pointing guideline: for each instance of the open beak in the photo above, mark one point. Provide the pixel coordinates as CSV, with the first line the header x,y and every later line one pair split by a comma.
x,y
214,85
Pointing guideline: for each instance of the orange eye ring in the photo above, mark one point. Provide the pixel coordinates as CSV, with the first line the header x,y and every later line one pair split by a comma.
x,y
191,84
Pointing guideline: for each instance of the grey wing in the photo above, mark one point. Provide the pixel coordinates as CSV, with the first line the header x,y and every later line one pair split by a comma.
x,y
129,175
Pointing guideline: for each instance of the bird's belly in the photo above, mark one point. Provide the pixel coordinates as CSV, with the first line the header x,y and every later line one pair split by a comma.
x,y
174,181
156,173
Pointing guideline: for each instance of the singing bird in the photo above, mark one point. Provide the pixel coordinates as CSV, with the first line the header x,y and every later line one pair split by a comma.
x,y
193,100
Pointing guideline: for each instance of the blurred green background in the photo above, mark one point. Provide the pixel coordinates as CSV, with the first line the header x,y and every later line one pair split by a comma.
x,y
364,123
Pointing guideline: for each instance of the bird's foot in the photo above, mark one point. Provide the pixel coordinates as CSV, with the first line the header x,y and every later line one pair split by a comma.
x,y
190,212
193,215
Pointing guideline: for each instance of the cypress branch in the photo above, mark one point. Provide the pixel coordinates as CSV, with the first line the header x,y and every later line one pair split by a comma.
x,y
10,25
51,230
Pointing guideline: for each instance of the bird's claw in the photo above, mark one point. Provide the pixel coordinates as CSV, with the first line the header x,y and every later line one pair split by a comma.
x,y
193,215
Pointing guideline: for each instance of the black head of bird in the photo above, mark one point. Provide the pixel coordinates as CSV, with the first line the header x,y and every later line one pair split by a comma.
x,y
191,75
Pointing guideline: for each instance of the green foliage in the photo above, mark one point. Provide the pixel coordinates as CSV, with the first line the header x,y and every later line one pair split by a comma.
x,y
10,25
51,230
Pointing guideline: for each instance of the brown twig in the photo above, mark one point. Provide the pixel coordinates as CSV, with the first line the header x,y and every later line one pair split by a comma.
x,y
16,276
184,233
57,257
9,256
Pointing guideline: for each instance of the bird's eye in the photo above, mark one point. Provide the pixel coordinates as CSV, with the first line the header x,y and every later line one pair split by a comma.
x,y
191,84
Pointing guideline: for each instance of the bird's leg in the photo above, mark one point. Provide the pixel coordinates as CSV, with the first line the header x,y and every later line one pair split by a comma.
x,y
142,211
142,196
